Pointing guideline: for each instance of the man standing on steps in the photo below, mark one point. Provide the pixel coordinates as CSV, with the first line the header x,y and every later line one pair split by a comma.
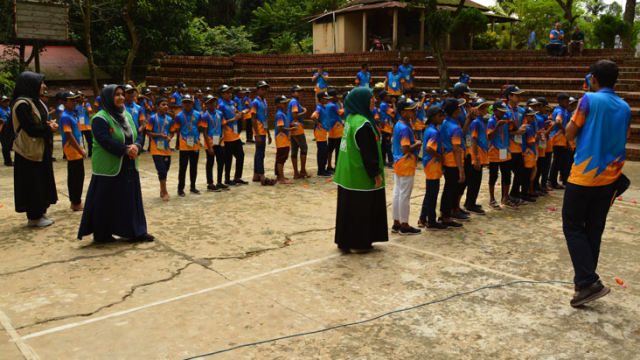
x,y
320,80
363,78
600,127
408,73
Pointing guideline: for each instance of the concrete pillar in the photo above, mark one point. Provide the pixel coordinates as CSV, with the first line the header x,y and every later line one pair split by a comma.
x,y
395,28
364,31
421,31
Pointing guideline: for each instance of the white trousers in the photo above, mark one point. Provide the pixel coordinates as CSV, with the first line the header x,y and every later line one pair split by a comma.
x,y
401,198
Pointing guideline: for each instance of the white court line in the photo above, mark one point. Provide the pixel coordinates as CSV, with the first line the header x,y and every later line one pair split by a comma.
x,y
165,301
24,348
480,267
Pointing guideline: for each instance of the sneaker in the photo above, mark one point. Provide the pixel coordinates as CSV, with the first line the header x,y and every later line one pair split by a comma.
x,y
477,210
587,293
452,224
331,170
437,227
144,238
42,222
460,216
230,182
395,229
530,200
10,163
410,231
460,211
421,223
223,187
213,188
241,182
195,191
181,193
44,216
324,174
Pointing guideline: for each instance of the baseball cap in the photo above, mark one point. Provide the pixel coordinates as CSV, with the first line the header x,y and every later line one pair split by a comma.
x,y
529,111
445,92
572,100
451,105
69,95
3,98
296,88
406,104
463,89
500,105
544,101
323,95
197,91
421,94
281,99
128,88
187,98
434,110
533,101
163,90
80,93
207,89
383,94
146,91
477,103
334,93
181,85
224,88
44,93
512,89
261,83
160,100
209,98
433,92
562,96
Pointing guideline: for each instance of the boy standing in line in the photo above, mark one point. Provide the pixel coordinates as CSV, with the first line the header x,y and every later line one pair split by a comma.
x,y
84,120
232,142
189,138
405,155
135,110
336,127
246,115
408,73
211,125
516,130
283,143
176,104
197,100
363,78
261,129
499,155
295,115
387,114
453,166
560,117
320,129
478,156
529,154
73,149
393,81
432,162
158,130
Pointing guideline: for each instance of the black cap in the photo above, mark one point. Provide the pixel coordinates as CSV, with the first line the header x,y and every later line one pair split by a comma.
x,y
128,88
544,101
344,94
512,89
160,100
207,89
281,99
451,105
500,105
69,95
383,94
181,85
187,98
224,88
323,95
532,102
163,90
434,110
237,90
477,103
562,96
209,98
197,91
295,88
261,83
406,104
146,91
334,93
463,89
421,94
572,100
529,111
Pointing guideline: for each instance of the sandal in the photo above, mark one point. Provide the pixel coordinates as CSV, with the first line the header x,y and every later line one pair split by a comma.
x,y
265,182
495,206
272,182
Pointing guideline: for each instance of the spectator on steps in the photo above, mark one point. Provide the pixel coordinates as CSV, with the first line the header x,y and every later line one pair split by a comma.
x,y
577,41
556,46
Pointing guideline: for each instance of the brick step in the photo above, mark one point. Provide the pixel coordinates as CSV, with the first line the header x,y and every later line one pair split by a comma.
x,y
633,152
634,133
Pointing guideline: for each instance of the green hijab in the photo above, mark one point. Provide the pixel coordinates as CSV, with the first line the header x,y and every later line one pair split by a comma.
x,y
357,102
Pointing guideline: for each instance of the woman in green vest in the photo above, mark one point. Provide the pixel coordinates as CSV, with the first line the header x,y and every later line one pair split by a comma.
x,y
362,210
114,200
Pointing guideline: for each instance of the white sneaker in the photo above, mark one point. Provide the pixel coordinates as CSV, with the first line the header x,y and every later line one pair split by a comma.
x,y
44,216
42,222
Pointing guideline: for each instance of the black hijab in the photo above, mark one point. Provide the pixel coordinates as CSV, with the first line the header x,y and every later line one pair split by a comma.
x,y
107,102
28,86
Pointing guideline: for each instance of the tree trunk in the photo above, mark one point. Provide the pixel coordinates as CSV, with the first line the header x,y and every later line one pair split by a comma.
x,y
85,12
437,49
135,42
567,7
25,63
629,15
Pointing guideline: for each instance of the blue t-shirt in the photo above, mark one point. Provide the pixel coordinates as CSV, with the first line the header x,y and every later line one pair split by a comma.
x,y
189,125
393,82
176,98
214,123
5,113
478,130
280,115
83,114
259,107
333,115
407,73
451,134
559,111
431,138
69,123
465,79
501,138
320,82
322,117
364,78
518,117
135,111
556,37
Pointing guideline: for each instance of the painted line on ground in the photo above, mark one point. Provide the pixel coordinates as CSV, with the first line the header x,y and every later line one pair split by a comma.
x,y
165,301
24,348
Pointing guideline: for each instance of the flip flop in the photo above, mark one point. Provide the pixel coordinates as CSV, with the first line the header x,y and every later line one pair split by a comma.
x,y
495,206
265,182
272,182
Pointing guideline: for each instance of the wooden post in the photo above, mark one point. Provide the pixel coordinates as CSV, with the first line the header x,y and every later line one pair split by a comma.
x,y
511,39
421,47
36,48
448,42
493,25
364,31
395,28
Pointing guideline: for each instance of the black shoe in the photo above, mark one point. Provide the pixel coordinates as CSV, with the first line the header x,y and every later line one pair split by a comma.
x,y
395,229
476,210
8,163
422,223
144,238
105,240
437,226
230,182
324,174
410,231
53,159
241,182
195,191
587,293
530,200
460,211
223,187
213,188
251,141
460,216
181,193
452,224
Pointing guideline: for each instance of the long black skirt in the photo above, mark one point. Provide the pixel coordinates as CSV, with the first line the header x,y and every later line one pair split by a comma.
x,y
34,185
361,218
113,205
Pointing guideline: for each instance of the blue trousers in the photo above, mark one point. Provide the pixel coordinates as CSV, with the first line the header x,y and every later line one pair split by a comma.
x,y
258,159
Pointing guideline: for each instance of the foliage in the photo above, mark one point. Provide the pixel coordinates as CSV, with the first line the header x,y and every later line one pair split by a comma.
x,y
470,21
200,39
6,83
608,26
486,41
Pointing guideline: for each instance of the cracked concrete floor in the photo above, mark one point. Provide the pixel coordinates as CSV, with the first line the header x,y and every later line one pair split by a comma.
x,y
258,263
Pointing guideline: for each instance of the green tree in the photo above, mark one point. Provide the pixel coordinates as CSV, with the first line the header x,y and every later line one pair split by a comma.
x,y
608,26
470,21
595,7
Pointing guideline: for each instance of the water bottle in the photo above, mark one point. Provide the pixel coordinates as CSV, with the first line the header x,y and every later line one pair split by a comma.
x,y
602,45
399,55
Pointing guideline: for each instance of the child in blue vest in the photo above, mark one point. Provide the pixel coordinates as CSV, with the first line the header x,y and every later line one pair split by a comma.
x,y
158,130
211,126
186,124
432,160
363,78
283,142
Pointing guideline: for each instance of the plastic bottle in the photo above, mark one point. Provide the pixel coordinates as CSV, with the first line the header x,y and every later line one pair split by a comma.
x,y
602,46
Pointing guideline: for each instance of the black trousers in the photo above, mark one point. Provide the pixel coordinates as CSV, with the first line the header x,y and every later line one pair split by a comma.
x,y
541,162
188,158
334,144
556,49
429,201
584,216
322,156
249,130
526,181
567,162
89,137
517,167
505,172
219,155
556,165
474,179
233,149
387,151
451,190
6,154
75,180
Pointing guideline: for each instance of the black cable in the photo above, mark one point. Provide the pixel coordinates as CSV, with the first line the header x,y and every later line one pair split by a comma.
x,y
380,316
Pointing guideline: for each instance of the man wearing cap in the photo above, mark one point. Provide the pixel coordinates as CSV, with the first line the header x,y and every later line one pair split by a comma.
x,y
232,143
319,80
453,166
529,154
259,117
5,112
600,127
246,114
561,117
237,100
393,81
408,73
197,100
73,148
135,110
176,98
516,131
405,156
556,46
336,126
211,126
147,102
83,111
467,115
387,114
295,115
545,145
363,78
186,124
499,154
477,155
320,129
283,143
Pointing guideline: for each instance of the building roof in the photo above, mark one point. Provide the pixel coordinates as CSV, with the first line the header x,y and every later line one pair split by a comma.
x,y
468,3
59,63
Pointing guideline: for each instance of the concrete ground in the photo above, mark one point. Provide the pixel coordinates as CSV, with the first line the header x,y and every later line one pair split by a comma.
x,y
258,263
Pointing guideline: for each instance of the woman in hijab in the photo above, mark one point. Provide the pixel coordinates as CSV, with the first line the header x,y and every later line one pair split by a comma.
x,y
34,184
362,210
114,200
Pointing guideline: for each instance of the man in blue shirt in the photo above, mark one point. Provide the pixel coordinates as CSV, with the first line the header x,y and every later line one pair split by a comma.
x,y
363,78
556,46
600,127
187,125
408,73
320,80
176,104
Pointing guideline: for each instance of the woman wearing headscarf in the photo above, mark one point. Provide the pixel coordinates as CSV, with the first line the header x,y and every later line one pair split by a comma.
x,y
362,211
34,183
113,205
